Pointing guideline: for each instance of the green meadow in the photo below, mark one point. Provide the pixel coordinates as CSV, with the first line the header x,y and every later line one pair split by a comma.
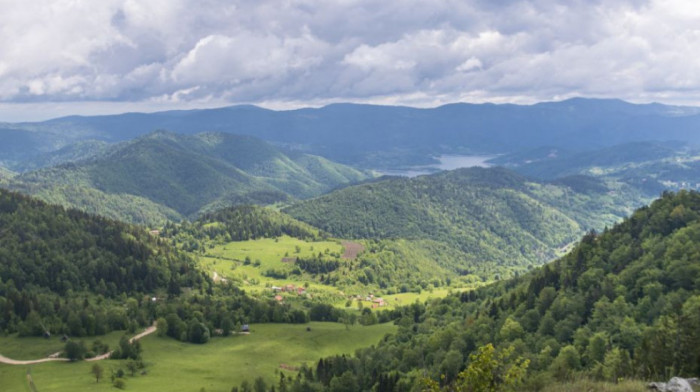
x,y
216,366
229,261
37,347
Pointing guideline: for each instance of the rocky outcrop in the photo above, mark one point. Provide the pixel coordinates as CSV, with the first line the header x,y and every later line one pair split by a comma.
x,y
676,384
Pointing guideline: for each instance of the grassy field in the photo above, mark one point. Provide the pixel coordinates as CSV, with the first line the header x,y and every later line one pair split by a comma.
x,y
228,262
403,299
37,347
215,366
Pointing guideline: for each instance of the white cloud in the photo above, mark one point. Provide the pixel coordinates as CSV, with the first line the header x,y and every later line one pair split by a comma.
x,y
408,51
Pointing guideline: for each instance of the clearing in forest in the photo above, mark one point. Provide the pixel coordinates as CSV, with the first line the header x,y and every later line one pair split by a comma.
x,y
352,249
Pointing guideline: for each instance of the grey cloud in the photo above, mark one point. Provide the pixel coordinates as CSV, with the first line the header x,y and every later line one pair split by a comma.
x,y
406,51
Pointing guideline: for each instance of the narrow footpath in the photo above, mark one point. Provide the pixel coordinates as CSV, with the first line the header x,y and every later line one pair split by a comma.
x,y
54,357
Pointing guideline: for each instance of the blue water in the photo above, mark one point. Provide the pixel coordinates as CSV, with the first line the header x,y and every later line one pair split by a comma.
x,y
447,162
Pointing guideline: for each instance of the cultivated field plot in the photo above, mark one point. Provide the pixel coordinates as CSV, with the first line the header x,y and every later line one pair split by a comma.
x,y
216,366
352,249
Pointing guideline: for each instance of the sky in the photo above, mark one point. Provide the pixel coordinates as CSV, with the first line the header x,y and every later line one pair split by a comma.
x,y
60,57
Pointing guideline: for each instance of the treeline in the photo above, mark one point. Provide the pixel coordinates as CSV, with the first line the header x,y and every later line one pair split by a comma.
x,y
622,304
240,223
317,265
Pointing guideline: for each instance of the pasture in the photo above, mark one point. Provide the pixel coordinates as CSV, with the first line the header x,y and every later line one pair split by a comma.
x,y
216,366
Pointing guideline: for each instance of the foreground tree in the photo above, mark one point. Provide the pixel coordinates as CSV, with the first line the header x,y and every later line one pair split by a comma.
x,y
97,371
75,351
489,370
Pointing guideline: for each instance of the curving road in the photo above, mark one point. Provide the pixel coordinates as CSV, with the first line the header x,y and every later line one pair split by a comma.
x,y
53,357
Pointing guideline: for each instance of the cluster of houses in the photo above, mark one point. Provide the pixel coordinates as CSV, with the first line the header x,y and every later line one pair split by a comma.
x,y
377,302
290,288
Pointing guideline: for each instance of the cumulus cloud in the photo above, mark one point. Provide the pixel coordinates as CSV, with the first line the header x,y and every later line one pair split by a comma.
x,y
296,51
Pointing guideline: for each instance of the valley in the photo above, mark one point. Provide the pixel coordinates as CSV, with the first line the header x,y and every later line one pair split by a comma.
x,y
349,196
257,259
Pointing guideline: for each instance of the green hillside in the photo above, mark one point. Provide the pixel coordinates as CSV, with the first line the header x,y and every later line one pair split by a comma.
x,y
48,253
170,176
231,239
239,223
493,216
66,271
623,304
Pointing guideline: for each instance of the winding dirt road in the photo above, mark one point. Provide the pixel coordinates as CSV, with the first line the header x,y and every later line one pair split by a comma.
x,y
54,357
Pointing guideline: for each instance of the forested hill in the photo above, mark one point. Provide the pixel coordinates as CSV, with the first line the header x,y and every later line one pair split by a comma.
x,y
68,272
239,223
492,215
45,247
168,176
623,304
48,253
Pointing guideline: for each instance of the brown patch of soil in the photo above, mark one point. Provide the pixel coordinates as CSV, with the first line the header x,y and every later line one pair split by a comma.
x,y
352,249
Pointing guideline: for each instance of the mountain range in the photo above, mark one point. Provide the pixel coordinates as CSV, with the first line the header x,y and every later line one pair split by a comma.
x,y
164,175
382,136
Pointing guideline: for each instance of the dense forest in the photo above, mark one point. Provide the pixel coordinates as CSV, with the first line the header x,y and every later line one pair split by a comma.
x,y
65,271
623,304
493,216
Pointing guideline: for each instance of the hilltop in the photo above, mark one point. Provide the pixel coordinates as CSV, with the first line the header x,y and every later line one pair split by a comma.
x,y
168,176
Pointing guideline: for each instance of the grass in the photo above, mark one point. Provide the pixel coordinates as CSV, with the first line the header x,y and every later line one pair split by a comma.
x,y
586,385
215,366
403,299
228,263
37,347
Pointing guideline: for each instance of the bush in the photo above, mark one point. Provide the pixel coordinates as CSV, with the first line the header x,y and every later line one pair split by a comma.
x,y
119,383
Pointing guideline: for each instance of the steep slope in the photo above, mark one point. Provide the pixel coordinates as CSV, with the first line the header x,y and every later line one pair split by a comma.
x,y
48,253
173,175
623,304
492,215
68,272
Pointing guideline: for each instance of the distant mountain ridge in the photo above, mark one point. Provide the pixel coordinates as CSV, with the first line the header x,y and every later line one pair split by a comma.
x,y
173,176
376,136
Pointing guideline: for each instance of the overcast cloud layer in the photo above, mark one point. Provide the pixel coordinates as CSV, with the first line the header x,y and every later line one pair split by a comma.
x,y
297,52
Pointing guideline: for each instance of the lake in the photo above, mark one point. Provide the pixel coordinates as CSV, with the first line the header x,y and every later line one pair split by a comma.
x,y
447,162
